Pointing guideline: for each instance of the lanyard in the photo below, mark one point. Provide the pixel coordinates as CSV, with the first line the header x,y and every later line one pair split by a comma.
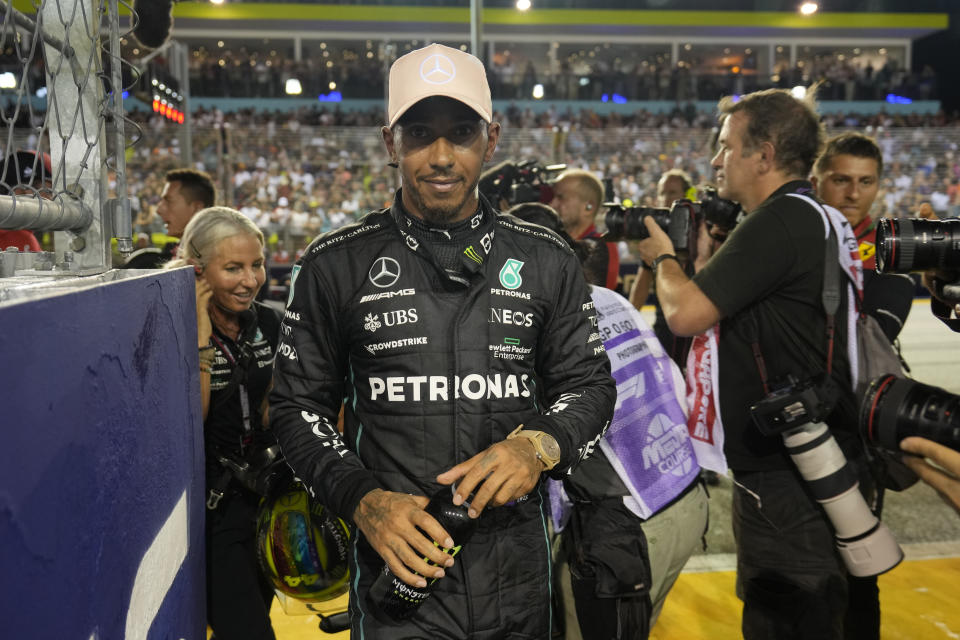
x,y
244,398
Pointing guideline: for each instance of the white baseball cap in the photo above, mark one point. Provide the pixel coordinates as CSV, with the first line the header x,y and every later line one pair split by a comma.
x,y
437,70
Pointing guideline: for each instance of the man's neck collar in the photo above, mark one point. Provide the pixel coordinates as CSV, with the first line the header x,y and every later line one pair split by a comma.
x,y
790,185
864,225
406,210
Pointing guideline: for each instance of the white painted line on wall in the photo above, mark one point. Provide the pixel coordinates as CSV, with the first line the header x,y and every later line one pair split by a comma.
x,y
158,568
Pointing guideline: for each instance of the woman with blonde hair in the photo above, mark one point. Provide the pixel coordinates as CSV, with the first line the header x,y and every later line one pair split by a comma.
x,y
237,339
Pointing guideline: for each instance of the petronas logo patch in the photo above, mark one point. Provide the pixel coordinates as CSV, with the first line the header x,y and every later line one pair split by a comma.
x,y
510,274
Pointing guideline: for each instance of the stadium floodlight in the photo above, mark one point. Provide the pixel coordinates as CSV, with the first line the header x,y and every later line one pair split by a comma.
x,y
809,8
216,1
293,87
799,92
8,80
524,5
538,92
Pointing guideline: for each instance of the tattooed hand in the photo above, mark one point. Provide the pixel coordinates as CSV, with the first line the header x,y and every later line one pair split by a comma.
x,y
394,524
507,470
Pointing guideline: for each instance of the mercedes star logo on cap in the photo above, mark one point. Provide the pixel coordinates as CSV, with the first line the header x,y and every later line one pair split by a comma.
x,y
438,69
385,272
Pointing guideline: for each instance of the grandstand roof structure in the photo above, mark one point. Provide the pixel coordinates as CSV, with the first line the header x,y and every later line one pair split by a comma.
x,y
311,21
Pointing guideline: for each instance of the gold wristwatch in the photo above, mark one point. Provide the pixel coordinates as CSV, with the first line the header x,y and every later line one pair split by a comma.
x,y
545,445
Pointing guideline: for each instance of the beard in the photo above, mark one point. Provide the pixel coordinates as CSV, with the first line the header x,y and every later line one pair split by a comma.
x,y
441,211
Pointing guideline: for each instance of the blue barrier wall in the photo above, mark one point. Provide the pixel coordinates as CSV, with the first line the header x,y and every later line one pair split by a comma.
x,y
101,476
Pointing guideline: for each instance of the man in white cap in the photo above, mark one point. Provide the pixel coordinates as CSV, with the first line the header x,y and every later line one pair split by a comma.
x,y
463,346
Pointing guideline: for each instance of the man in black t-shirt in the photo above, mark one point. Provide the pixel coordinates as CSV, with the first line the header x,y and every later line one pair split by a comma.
x,y
764,286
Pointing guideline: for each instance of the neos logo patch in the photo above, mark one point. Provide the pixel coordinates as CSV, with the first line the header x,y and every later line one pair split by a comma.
x,y
438,69
384,273
511,317
510,274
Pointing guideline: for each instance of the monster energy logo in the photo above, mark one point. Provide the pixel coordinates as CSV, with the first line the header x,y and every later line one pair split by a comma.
x,y
473,255
510,274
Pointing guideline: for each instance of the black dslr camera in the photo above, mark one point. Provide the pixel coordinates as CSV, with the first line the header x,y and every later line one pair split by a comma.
x,y
679,221
793,403
518,182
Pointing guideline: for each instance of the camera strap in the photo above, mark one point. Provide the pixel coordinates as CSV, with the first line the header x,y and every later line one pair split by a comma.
x,y
752,327
238,373
830,295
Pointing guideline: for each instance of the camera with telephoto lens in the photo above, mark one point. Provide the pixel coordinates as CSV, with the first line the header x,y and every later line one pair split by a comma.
x,y
895,408
518,182
795,410
627,223
917,244
679,221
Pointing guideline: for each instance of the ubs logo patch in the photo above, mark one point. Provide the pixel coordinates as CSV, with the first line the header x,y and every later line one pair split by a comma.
x,y
372,322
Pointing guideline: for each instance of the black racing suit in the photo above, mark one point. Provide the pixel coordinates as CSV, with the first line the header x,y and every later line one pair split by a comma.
x,y
432,371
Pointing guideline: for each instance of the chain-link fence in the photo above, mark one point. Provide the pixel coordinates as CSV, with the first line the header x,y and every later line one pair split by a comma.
x,y
60,93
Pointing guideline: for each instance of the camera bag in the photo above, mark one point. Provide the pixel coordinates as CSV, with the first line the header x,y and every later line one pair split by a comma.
x,y
876,356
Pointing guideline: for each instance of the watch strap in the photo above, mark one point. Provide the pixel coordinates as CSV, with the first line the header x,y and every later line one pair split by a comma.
x,y
535,437
663,256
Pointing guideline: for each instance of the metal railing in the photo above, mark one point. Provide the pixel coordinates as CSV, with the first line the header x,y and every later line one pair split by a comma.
x,y
72,117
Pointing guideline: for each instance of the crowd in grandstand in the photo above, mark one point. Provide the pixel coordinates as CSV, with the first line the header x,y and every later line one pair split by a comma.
x,y
301,173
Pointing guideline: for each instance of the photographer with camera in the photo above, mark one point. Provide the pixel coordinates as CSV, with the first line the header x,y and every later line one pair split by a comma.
x,y
577,195
673,185
765,287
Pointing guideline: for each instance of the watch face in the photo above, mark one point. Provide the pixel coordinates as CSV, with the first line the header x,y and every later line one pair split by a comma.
x,y
550,446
